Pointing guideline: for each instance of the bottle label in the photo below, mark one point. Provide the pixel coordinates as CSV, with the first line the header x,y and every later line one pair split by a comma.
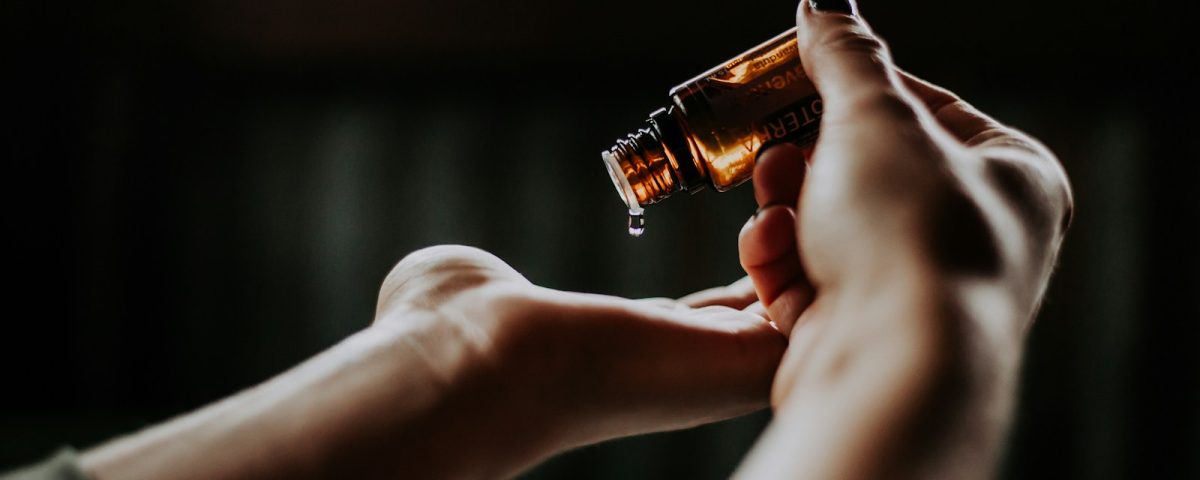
x,y
768,99
761,97
796,123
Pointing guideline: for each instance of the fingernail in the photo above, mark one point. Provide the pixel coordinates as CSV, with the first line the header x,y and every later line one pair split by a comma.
x,y
837,6
749,221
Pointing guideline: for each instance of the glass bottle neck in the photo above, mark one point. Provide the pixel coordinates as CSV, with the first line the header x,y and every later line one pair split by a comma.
x,y
653,162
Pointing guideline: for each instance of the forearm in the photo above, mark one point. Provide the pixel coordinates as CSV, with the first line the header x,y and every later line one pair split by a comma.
x,y
388,401
894,386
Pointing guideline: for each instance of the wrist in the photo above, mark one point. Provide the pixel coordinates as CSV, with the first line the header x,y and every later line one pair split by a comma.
x,y
450,392
420,393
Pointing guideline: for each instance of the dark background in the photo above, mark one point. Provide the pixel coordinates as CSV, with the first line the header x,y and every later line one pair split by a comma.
x,y
200,194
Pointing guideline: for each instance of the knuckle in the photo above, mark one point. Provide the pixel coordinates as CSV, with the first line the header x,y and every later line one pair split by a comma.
x,y
1068,207
1001,137
426,260
433,274
439,255
1028,176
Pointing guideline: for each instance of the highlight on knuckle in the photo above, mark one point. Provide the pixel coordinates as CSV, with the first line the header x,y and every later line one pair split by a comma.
x,y
433,273
440,255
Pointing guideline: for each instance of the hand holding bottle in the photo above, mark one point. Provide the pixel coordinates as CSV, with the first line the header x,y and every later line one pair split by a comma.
x,y
904,265
905,261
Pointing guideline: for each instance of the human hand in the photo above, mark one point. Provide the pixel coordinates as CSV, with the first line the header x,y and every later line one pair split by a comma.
x,y
538,370
905,260
471,371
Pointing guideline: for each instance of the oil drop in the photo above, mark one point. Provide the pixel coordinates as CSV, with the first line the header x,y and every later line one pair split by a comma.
x,y
637,222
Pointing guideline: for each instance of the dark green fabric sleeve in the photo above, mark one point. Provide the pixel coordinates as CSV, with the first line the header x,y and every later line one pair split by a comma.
x,y
63,465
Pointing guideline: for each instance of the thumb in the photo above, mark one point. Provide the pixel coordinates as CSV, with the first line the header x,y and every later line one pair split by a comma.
x,y
850,66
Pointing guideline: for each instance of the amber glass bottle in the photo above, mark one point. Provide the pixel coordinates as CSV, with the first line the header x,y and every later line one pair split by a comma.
x,y
716,124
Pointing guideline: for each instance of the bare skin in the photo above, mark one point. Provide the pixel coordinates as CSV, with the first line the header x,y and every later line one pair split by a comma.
x,y
905,263
901,265
470,371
